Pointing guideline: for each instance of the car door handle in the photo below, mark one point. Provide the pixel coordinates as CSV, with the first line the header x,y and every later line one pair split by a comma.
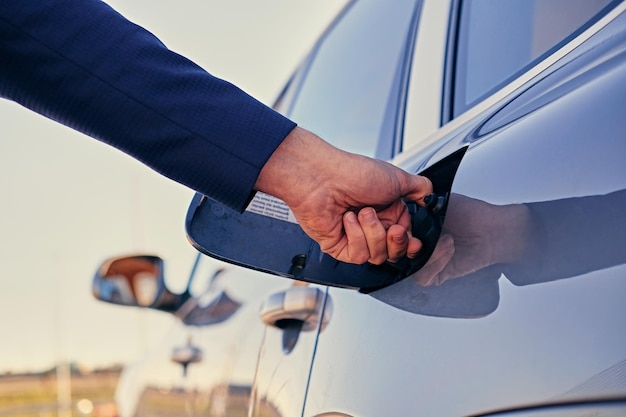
x,y
299,306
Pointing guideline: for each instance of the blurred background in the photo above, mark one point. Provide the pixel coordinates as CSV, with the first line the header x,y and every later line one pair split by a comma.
x,y
69,201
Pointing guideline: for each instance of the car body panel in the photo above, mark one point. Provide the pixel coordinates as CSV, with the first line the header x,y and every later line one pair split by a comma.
x,y
547,342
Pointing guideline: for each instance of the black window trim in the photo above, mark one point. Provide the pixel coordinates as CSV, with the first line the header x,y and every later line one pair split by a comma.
x,y
449,103
402,85
395,110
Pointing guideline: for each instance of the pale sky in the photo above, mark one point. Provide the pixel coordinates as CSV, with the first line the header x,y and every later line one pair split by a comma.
x,y
69,201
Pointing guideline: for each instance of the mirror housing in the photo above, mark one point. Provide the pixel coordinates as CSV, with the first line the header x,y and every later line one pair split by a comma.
x,y
137,281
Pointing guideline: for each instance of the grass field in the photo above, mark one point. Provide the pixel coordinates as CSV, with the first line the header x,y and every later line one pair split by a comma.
x,y
39,394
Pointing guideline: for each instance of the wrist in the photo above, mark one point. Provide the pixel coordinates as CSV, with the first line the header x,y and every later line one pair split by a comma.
x,y
296,167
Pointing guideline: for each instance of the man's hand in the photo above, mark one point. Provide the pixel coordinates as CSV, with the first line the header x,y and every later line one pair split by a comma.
x,y
350,204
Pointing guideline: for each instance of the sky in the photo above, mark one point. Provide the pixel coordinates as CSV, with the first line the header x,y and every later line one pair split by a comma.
x,y
69,202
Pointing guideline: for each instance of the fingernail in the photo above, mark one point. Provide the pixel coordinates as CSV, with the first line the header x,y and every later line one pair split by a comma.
x,y
399,238
350,217
368,214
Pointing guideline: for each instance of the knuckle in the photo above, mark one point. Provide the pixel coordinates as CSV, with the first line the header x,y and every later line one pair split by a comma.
x,y
361,258
377,260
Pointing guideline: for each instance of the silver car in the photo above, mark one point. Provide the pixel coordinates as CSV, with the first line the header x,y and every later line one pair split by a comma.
x,y
516,110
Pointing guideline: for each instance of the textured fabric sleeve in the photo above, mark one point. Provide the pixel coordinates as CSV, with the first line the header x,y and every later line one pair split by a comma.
x,y
81,63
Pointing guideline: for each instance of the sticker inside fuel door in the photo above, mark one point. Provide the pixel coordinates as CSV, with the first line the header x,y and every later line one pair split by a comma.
x,y
270,206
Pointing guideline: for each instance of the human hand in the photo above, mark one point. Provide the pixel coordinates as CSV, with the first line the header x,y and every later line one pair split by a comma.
x,y
349,204
475,235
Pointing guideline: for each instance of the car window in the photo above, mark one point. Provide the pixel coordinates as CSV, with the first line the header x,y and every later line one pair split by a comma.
x,y
350,92
499,40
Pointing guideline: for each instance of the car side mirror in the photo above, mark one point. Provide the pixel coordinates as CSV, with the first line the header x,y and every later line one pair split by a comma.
x,y
137,281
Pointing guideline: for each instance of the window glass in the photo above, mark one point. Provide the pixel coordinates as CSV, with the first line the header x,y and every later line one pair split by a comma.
x,y
354,77
500,39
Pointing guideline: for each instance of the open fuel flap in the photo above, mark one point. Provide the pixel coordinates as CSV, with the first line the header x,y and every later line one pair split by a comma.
x,y
267,237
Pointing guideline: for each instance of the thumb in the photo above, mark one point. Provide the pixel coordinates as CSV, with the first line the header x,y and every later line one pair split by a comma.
x,y
416,188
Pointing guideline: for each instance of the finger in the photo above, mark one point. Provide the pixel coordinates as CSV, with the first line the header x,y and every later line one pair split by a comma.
x,y
414,246
375,235
404,217
356,250
397,242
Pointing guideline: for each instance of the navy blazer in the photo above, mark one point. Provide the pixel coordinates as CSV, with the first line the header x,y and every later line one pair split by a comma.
x,y
81,63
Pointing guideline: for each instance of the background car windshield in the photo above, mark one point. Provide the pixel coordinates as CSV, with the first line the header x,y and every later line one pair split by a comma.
x,y
498,40
351,90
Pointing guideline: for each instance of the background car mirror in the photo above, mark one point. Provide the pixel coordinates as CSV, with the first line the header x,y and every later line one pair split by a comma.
x,y
136,280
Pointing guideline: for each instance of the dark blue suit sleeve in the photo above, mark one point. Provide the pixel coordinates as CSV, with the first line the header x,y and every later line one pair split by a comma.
x,y
82,64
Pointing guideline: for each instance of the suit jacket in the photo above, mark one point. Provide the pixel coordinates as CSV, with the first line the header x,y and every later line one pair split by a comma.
x,y
81,63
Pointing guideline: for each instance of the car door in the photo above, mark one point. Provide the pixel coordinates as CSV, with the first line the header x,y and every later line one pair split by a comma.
x,y
533,162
